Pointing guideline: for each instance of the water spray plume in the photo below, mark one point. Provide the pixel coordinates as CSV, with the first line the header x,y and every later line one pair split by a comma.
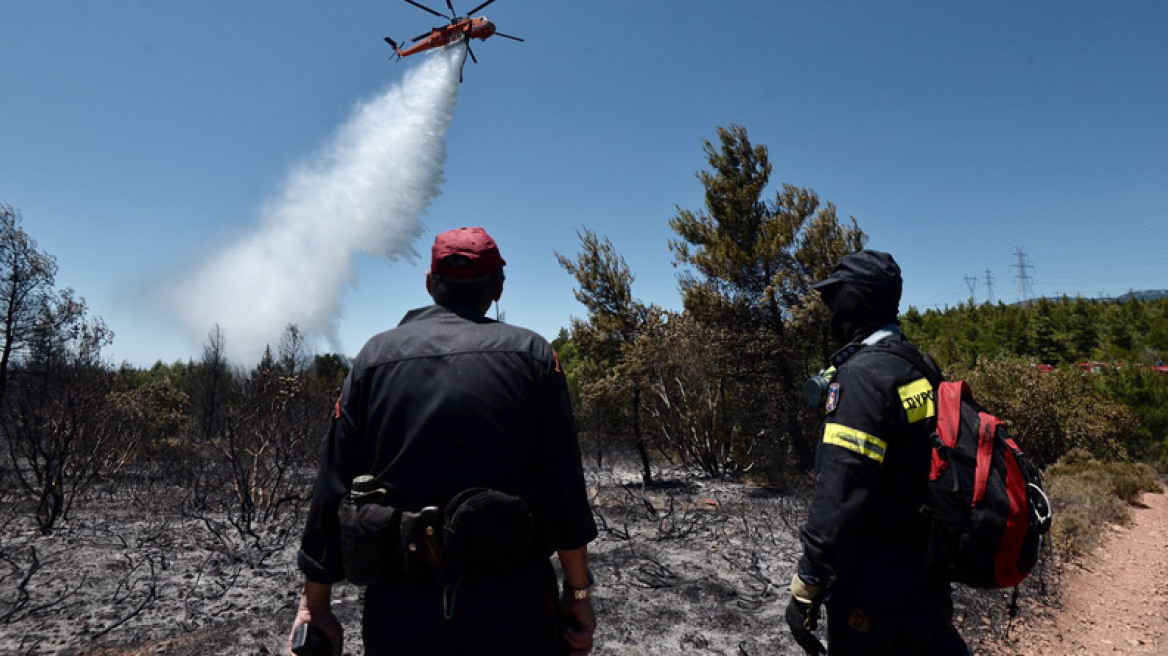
x,y
364,193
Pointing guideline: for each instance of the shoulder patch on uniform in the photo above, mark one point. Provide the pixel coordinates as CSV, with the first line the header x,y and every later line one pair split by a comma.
x,y
919,400
859,621
833,396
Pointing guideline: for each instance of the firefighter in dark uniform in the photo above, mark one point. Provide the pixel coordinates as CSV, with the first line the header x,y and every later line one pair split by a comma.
x,y
448,401
864,542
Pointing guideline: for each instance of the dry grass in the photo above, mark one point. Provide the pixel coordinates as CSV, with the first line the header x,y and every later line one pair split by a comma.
x,y
1089,494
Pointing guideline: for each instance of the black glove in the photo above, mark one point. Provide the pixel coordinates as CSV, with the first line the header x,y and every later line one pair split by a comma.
x,y
803,618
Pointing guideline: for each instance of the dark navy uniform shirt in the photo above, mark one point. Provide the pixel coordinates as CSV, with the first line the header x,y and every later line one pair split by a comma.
x,y
864,537
446,401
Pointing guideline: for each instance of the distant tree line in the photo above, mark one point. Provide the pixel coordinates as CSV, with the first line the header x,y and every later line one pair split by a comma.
x,y
1051,331
1119,398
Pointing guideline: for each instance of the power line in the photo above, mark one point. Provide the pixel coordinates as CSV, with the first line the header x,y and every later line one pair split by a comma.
x,y
989,283
1023,277
971,283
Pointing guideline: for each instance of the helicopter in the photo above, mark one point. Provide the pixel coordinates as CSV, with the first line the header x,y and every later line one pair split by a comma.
x,y
460,30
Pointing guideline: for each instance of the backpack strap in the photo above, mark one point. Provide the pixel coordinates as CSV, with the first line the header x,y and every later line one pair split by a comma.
x,y
988,428
923,363
949,397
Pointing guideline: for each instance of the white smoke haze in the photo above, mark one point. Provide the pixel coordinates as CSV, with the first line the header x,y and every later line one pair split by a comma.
x,y
363,193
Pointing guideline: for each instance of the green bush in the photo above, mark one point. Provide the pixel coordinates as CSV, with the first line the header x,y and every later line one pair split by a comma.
x,y
1130,479
1145,391
1051,413
1088,495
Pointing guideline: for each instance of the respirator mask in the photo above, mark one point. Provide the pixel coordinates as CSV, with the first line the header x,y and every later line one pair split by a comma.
x,y
815,388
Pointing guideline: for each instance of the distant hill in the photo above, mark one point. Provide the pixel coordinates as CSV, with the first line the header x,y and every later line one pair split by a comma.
x,y
1147,295
1144,295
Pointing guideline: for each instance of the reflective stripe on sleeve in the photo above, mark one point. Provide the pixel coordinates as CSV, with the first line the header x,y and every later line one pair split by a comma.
x,y
919,400
853,440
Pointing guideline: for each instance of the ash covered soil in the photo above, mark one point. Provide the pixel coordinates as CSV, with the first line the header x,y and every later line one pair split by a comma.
x,y
687,566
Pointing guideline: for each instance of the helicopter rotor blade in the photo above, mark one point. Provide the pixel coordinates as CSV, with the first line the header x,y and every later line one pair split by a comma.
x,y
420,37
425,8
396,49
453,14
508,36
478,8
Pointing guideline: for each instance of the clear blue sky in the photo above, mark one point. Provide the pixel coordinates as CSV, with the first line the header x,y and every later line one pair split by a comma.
x,y
139,139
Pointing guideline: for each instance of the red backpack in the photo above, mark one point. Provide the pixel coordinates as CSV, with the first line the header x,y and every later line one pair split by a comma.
x,y
985,501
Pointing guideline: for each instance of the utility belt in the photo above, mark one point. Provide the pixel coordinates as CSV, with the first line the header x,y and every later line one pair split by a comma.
x,y
479,533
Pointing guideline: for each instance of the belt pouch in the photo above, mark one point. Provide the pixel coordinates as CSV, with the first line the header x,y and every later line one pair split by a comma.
x,y
488,531
369,541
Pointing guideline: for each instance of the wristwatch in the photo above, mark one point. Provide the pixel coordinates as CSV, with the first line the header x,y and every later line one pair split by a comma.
x,y
579,594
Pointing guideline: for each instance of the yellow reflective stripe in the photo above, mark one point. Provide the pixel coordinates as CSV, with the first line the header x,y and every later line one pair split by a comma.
x,y
919,400
853,440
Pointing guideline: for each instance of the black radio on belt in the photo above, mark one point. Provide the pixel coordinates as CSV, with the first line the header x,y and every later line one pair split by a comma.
x,y
421,543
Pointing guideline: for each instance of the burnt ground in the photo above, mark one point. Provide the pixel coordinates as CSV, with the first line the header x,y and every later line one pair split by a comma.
x,y
689,566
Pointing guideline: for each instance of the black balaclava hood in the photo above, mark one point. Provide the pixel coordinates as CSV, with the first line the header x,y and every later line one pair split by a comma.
x,y
863,292
859,310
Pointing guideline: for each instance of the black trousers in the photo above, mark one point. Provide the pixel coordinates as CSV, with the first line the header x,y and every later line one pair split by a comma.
x,y
504,614
922,629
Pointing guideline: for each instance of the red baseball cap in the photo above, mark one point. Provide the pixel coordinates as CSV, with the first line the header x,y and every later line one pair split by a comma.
x,y
465,253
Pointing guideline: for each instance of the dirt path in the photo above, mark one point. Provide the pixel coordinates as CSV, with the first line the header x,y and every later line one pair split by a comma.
x,y
1116,600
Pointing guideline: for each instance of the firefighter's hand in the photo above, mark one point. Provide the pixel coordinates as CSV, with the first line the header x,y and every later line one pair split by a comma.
x,y
803,615
579,621
803,618
316,610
